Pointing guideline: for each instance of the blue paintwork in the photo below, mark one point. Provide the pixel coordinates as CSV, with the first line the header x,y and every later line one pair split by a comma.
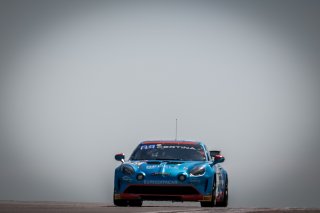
x,y
166,172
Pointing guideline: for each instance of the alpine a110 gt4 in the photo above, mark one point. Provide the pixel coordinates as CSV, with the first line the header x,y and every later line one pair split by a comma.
x,y
173,171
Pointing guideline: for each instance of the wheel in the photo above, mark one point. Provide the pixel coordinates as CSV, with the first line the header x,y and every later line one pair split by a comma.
x,y
211,203
224,202
119,202
207,204
137,203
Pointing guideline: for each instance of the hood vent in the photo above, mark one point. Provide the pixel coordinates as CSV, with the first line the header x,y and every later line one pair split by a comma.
x,y
153,162
174,162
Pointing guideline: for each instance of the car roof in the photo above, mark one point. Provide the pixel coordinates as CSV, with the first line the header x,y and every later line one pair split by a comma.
x,y
171,142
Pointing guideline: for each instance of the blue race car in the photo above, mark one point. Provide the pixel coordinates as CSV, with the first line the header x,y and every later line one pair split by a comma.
x,y
171,170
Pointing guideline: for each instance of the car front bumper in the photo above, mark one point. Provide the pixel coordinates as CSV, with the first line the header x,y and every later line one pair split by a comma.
x,y
162,192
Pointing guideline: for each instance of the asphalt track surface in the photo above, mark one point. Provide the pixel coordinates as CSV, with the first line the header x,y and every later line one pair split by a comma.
x,y
35,207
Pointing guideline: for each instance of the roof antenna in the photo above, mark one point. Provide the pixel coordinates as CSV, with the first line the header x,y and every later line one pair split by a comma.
x,y
176,128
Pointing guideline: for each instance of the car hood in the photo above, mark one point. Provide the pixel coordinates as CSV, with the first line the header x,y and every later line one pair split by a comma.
x,y
155,167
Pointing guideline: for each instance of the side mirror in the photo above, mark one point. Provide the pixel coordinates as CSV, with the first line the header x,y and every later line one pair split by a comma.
x,y
218,159
119,157
213,153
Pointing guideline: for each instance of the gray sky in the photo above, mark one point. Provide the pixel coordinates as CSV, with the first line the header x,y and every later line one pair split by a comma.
x,y
82,81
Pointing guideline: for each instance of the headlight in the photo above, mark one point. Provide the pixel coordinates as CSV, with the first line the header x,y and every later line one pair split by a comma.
x,y
127,170
198,170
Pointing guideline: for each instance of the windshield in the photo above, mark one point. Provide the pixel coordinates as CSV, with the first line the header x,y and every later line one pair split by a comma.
x,y
186,152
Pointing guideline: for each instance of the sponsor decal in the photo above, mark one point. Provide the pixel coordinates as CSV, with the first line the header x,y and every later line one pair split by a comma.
x,y
172,166
179,147
160,146
152,166
160,182
152,146
164,166
138,163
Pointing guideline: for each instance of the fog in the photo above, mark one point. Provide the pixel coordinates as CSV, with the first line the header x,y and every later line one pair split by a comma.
x,y
82,81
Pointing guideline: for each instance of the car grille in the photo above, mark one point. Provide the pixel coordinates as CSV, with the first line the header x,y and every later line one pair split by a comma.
x,y
162,190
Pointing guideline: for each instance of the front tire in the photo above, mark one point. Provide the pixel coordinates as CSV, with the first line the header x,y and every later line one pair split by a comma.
x,y
224,202
136,203
119,202
211,203
208,204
